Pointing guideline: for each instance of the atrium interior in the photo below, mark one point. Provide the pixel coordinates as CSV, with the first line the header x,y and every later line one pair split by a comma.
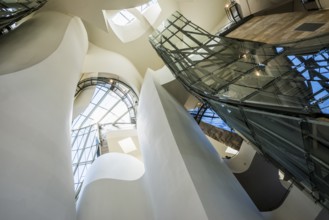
x,y
164,109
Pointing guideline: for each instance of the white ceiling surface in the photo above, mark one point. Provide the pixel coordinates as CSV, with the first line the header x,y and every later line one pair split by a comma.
x,y
205,13
91,10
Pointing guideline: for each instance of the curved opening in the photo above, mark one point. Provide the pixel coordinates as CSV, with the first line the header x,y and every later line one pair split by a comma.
x,y
131,23
123,17
112,107
145,6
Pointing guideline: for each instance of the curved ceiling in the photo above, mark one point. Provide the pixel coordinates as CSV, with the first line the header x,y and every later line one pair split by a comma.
x,y
206,13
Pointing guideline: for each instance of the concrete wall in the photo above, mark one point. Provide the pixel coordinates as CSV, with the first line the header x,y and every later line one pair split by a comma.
x,y
185,177
36,103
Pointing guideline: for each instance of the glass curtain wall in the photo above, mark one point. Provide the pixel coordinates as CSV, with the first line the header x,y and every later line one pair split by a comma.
x,y
113,105
276,96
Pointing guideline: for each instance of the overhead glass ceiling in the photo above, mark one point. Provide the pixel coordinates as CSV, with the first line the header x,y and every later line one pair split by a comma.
x,y
113,104
145,6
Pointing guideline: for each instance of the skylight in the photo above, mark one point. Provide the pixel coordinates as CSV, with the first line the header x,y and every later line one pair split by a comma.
x,y
123,17
145,6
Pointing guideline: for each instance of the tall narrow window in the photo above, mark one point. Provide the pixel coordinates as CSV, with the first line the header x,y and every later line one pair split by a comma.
x,y
113,105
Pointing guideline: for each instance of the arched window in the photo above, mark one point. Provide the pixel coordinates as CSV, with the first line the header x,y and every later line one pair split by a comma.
x,y
113,106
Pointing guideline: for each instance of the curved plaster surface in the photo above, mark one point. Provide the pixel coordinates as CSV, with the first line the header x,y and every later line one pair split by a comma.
x,y
241,162
136,28
30,48
130,31
36,103
185,177
114,189
114,199
116,166
91,10
297,205
101,60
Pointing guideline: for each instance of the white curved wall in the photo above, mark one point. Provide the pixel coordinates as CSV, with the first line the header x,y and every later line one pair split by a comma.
x,y
152,13
26,51
162,75
36,102
185,177
91,10
114,189
101,60
138,27
241,162
296,206
130,31
116,166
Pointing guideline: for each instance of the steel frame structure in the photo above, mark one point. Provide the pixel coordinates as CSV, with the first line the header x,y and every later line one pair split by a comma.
x,y
87,133
276,96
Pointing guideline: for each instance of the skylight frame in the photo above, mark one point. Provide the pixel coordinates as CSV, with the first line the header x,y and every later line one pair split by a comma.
x,y
123,17
142,8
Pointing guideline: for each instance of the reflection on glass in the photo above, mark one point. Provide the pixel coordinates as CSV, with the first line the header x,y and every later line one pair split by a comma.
x,y
276,96
212,118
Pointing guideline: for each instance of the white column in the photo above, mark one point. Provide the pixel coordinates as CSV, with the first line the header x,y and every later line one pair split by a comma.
x,y
36,96
185,177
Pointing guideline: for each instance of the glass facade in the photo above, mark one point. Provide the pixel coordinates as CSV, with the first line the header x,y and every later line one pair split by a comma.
x,y
113,106
276,96
85,149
